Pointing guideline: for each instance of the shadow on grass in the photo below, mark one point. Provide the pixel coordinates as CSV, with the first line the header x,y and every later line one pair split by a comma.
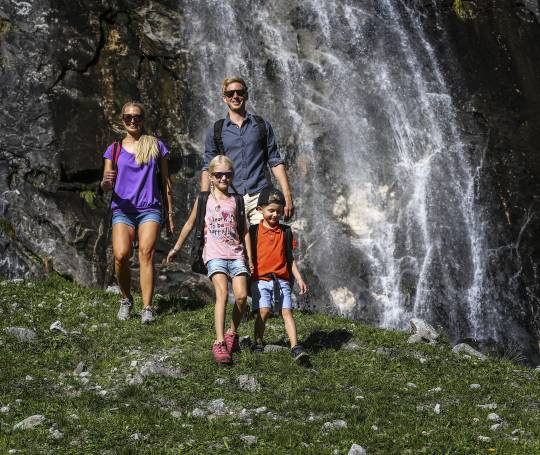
x,y
321,339
174,304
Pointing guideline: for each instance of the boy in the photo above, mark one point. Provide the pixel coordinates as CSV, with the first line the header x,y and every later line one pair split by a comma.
x,y
274,269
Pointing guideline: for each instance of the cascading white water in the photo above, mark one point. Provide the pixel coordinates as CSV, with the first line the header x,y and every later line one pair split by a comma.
x,y
384,189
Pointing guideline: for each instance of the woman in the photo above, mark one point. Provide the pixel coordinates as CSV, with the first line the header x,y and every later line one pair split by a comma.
x,y
136,205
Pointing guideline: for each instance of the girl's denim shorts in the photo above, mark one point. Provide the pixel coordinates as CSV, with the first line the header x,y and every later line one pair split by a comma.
x,y
134,220
230,267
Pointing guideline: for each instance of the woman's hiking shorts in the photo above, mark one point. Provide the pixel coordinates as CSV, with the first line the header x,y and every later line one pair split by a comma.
x,y
134,220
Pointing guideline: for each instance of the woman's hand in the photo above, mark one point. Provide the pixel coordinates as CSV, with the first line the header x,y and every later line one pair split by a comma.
x,y
302,286
172,256
171,224
251,266
108,180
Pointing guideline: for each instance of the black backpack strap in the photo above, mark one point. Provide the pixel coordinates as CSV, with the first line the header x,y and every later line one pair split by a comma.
x,y
264,135
253,234
199,220
240,215
218,141
289,250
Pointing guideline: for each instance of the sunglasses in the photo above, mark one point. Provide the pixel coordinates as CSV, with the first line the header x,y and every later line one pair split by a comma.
x,y
219,175
230,93
132,118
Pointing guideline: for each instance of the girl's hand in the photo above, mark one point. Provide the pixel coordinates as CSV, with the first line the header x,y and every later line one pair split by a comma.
x,y
251,266
171,256
302,286
108,180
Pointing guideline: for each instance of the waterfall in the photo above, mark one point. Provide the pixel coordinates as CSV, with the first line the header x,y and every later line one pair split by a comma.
x,y
384,187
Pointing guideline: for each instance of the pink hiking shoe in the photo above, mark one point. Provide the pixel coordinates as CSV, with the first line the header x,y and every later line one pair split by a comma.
x,y
221,355
231,340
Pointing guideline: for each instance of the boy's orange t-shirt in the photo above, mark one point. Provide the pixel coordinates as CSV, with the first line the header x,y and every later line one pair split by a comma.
x,y
271,256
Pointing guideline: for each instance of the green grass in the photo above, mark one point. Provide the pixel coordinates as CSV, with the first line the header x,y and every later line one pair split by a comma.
x,y
364,387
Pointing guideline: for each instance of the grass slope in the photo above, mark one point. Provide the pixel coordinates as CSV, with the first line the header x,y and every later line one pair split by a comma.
x,y
366,387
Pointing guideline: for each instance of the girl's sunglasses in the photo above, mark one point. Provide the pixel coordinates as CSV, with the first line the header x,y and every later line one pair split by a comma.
x,y
219,175
132,118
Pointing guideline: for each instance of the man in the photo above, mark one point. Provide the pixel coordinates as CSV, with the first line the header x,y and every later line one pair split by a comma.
x,y
241,133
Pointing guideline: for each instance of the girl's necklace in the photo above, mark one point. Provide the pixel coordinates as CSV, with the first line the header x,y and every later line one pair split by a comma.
x,y
218,206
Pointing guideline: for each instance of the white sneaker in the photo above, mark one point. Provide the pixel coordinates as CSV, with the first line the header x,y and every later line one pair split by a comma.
x,y
124,310
147,315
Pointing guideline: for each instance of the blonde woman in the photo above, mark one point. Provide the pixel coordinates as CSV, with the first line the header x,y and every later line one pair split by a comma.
x,y
136,204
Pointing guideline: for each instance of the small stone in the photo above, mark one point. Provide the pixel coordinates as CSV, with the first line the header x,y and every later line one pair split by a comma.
x,y
476,420
113,289
352,346
56,434
275,348
81,368
489,406
424,330
475,386
4,409
22,334
437,409
357,450
261,410
334,425
248,383
198,412
245,341
484,438
176,414
494,417
412,385
84,374
435,390
28,378
248,439
29,422
464,348
217,406
221,381
359,397
374,427
57,326
133,363
83,315
496,427
517,431
135,436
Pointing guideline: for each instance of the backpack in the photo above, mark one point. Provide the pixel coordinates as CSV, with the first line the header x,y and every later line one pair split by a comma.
x,y
218,142
288,240
197,263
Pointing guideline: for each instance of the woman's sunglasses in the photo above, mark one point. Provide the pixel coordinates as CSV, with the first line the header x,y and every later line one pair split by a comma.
x,y
220,175
132,118
230,93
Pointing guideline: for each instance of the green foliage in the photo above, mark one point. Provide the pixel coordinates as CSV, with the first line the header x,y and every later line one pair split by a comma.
x,y
465,10
366,387
89,197
8,228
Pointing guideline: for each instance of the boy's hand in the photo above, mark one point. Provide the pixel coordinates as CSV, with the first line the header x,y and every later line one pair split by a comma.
x,y
171,256
302,286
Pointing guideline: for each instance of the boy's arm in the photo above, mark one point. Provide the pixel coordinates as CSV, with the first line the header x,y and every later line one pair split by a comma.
x,y
301,284
247,242
186,230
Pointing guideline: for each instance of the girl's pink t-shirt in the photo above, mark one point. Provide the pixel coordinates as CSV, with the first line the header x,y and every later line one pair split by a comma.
x,y
220,233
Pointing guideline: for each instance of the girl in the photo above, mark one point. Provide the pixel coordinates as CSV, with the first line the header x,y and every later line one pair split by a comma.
x,y
223,253
136,204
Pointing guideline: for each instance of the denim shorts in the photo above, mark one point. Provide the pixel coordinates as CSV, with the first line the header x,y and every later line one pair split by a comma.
x,y
230,267
262,293
134,220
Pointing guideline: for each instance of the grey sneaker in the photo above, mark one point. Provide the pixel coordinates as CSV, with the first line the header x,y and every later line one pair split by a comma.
x,y
147,315
300,356
125,309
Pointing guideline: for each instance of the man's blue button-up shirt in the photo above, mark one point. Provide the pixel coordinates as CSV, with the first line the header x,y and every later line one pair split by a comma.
x,y
243,146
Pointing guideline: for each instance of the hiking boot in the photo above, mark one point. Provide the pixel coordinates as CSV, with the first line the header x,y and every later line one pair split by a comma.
x,y
231,341
124,310
221,355
300,356
147,315
257,349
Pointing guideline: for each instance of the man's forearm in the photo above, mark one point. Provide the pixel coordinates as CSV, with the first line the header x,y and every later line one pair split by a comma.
x,y
205,181
281,177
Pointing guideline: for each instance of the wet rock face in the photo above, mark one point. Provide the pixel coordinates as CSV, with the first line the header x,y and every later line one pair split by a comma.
x,y
66,68
491,64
